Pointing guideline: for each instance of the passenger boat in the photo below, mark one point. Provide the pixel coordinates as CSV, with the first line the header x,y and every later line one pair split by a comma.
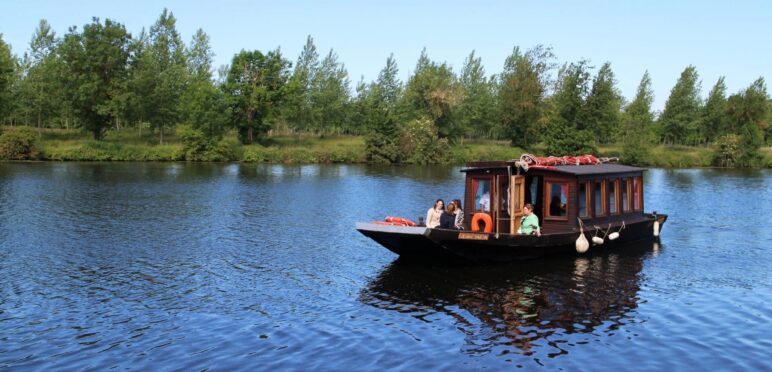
x,y
583,203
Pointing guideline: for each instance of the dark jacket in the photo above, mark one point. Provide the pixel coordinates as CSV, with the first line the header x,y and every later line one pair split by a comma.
x,y
447,221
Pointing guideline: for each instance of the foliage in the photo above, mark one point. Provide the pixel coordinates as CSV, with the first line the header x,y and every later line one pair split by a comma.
x,y
297,101
748,110
433,92
680,119
205,108
329,95
95,73
18,144
8,68
382,140
522,92
728,150
566,134
197,146
420,143
256,84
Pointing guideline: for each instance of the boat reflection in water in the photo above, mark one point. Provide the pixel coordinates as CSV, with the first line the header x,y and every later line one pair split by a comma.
x,y
555,303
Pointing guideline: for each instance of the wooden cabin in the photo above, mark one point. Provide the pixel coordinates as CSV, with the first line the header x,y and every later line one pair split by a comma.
x,y
599,194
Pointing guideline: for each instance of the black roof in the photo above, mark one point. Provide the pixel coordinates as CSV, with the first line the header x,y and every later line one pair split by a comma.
x,y
607,168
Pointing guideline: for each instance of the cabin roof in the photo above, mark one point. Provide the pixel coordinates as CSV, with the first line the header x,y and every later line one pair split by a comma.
x,y
607,168
577,170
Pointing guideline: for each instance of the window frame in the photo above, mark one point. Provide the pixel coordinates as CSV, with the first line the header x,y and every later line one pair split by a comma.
x,y
638,198
617,207
547,199
628,200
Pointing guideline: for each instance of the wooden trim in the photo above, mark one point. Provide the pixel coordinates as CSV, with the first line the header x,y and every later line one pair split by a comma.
x,y
603,198
587,199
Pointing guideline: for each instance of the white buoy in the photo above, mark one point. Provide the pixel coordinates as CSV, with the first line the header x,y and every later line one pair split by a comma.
x,y
656,228
582,245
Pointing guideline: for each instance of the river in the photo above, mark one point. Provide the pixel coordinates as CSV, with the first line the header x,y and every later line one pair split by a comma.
x,y
243,266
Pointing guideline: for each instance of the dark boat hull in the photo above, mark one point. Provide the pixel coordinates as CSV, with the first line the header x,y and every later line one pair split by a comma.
x,y
425,243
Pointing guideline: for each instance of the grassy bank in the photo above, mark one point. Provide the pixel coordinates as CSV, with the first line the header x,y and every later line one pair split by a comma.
x,y
133,145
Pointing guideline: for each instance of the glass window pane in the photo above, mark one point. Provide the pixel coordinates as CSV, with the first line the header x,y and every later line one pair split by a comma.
x,y
623,195
636,193
582,199
483,196
557,199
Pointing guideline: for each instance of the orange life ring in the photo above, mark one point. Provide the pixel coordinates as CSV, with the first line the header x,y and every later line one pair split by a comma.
x,y
484,217
400,221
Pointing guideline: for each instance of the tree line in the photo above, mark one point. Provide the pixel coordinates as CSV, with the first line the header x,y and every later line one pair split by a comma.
x,y
102,78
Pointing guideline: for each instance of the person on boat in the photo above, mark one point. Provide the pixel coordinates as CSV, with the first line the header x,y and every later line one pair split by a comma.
x,y
448,218
529,224
434,213
459,214
485,202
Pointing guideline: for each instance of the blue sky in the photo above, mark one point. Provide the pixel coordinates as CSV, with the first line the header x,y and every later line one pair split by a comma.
x,y
720,38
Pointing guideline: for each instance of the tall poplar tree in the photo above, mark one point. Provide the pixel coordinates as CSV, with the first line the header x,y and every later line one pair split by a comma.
x,y
297,104
565,133
40,90
601,112
748,109
680,119
714,114
637,123
477,111
433,92
522,93
329,95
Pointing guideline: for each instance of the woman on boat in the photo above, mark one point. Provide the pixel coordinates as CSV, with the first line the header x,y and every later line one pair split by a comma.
x,y
529,224
448,218
459,214
434,213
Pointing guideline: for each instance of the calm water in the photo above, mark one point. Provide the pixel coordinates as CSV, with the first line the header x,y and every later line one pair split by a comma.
x,y
137,266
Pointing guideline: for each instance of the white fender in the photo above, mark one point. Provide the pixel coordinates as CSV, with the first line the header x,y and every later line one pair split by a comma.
x,y
582,245
597,240
613,236
656,228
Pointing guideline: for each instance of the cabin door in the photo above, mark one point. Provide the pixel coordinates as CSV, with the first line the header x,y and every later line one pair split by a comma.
x,y
517,197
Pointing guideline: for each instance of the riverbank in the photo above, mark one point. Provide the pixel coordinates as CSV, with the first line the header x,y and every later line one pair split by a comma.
x,y
133,145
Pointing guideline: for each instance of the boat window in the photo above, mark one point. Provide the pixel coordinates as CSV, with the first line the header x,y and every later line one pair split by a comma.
x,y
624,193
584,198
637,193
612,196
557,199
482,195
599,208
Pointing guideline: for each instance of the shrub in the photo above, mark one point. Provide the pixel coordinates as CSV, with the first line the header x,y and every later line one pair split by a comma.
x,y
197,147
18,144
420,143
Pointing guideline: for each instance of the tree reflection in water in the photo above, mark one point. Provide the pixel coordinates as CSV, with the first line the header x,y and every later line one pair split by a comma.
x,y
556,302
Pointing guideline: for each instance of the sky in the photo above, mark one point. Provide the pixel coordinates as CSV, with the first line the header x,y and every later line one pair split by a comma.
x,y
720,38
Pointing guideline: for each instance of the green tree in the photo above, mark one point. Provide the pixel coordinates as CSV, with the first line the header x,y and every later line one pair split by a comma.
x,y
601,112
8,66
162,74
256,84
565,133
477,111
714,119
748,110
433,92
329,95
637,123
95,64
297,103
40,88
522,93
680,119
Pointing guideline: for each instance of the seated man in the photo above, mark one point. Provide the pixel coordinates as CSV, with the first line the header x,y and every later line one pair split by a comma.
x,y
529,224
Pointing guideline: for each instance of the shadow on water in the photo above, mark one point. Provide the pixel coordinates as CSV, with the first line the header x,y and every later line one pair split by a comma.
x,y
520,305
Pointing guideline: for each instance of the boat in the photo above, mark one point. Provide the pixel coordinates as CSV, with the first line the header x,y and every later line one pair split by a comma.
x,y
583,203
